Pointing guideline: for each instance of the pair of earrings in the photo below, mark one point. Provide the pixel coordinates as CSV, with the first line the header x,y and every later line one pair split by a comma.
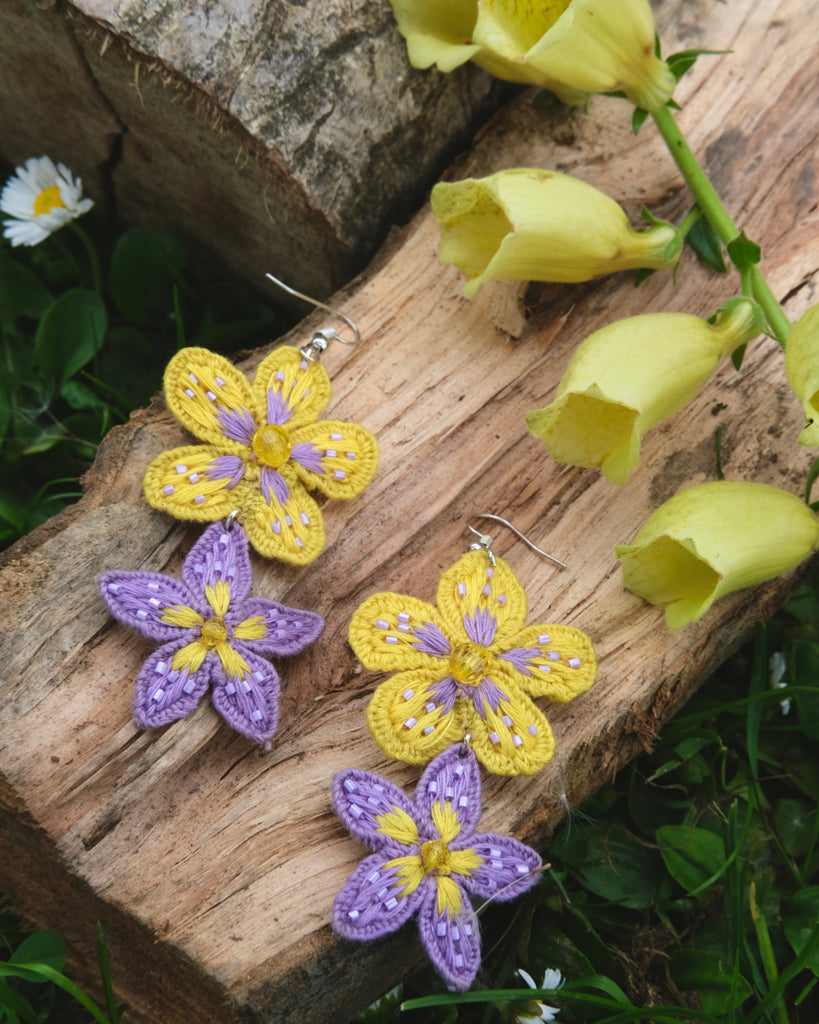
x,y
466,669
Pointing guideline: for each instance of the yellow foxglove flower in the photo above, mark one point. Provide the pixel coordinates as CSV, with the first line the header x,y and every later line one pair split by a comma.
x,y
630,375
713,539
802,367
531,224
570,46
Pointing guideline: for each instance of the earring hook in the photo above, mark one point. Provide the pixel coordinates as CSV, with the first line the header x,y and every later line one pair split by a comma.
x,y
321,338
485,541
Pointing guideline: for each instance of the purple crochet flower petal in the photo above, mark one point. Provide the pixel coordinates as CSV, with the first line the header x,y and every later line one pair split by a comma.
x,y
307,455
509,867
237,424
454,778
453,944
226,467
370,905
520,657
219,555
249,705
287,630
481,626
360,797
139,599
274,486
164,694
278,411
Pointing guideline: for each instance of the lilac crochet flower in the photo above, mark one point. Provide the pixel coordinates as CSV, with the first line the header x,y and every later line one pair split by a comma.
x,y
428,860
216,635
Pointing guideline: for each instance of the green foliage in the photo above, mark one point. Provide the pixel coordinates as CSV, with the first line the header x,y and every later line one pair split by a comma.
x,y
689,889
706,244
81,349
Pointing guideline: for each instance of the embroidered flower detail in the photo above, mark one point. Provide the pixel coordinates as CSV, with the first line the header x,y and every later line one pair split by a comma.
x,y
468,666
552,979
263,450
428,861
40,197
216,634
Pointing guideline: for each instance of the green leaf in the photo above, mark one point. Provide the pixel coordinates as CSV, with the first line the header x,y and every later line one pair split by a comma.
x,y
711,976
800,914
638,119
80,396
43,947
743,253
795,820
692,855
706,244
21,292
15,1005
70,333
145,265
684,60
738,355
813,473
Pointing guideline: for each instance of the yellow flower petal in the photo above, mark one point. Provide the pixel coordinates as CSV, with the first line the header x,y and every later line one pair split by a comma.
x,y
410,872
181,615
407,721
631,375
178,482
200,388
802,367
445,819
537,225
476,599
713,539
449,896
567,667
292,531
340,460
289,389
437,33
464,862
251,629
387,630
189,657
232,662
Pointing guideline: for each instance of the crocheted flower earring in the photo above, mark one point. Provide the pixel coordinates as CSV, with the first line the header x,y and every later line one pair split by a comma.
x,y
467,672
262,451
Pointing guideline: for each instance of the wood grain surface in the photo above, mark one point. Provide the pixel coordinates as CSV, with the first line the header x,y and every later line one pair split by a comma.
x,y
213,866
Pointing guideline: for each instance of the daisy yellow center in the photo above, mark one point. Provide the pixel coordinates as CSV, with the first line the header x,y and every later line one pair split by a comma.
x,y
213,633
47,200
468,663
272,446
435,857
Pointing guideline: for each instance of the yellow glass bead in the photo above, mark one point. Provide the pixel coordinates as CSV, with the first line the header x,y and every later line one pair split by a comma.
x,y
468,663
213,633
435,857
272,446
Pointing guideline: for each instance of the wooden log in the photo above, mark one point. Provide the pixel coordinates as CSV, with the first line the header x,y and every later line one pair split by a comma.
x,y
213,867
288,137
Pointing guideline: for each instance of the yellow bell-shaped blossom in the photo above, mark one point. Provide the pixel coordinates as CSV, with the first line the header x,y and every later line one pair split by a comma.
x,y
531,224
573,47
802,367
631,375
713,539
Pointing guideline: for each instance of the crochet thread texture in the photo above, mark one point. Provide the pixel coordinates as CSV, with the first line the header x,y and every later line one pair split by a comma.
x,y
213,634
264,449
470,665
428,861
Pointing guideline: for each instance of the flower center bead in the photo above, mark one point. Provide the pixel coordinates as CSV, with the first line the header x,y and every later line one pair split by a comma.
x,y
272,446
435,857
47,200
468,663
213,633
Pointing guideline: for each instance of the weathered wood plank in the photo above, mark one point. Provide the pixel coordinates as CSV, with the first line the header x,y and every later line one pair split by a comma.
x,y
280,135
227,860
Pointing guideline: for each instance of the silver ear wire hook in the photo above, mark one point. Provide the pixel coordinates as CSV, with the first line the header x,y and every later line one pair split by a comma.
x,y
320,340
485,541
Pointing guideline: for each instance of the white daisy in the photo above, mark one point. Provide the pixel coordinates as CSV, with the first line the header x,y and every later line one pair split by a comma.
x,y
41,198
552,978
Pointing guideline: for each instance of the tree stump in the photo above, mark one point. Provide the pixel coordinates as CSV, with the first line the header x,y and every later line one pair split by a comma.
x,y
287,137
212,866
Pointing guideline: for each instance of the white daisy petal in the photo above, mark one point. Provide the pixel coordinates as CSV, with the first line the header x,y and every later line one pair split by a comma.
x,y
40,198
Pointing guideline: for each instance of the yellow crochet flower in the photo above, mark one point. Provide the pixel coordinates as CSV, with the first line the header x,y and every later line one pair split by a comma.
x,y
531,224
471,666
573,47
264,449
713,539
629,376
802,367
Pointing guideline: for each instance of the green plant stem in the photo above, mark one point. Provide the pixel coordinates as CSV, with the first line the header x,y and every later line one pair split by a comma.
x,y
766,952
717,216
91,252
